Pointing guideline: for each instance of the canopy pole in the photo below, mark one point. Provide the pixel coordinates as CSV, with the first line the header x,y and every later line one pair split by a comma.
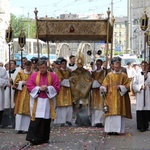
x,y
48,50
111,53
107,40
36,18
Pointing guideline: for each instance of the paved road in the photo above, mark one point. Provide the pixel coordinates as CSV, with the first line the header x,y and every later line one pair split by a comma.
x,y
133,139
85,138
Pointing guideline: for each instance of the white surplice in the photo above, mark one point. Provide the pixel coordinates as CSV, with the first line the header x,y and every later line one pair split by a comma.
x,y
7,91
64,114
22,122
138,81
43,106
97,117
73,67
114,124
3,83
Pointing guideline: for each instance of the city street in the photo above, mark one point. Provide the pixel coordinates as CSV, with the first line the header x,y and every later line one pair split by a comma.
x,y
82,138
57,53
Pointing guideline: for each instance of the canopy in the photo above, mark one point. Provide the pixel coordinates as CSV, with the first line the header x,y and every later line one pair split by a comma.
x,y
71,30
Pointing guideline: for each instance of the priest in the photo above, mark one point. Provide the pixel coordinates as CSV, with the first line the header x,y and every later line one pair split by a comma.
x,y
116,85
43,86
21,99
63,99
141,87
9,121
97,101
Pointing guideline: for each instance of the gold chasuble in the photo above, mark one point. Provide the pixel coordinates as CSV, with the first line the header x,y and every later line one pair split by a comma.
x,y
97,100
118,105
22,97
64,96
52,110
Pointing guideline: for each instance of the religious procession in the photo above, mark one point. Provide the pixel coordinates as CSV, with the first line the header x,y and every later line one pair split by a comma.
x,y
39,95
67,94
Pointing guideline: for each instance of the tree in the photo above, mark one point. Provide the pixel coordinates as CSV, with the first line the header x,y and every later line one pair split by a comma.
x,y
19,23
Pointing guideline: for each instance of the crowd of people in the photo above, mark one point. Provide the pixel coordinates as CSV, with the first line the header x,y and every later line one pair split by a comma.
x,y
38,93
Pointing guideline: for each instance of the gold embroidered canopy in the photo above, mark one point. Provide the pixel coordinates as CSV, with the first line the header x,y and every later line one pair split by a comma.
x,y
59,30
74,30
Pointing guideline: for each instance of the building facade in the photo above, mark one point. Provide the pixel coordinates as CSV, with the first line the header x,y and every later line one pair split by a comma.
x,y
137,10
4,23
120,34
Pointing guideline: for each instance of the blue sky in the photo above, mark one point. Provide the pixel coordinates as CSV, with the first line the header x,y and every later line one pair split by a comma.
x,y
53,8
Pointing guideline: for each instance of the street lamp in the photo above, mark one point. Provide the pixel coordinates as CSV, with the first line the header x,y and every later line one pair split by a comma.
x,y
144,22
22,42
144,25
8,38
8,35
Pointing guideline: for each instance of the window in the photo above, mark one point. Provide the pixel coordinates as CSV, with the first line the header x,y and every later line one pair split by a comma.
x,y
119,33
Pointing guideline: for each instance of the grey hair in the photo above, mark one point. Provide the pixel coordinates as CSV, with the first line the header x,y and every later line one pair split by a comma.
x,y
41,62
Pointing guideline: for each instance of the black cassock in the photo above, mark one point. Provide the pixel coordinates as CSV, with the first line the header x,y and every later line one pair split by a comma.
x,y
39,131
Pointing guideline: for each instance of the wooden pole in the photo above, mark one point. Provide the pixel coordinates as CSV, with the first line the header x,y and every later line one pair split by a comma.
x,y
10,89
48,50
107,40
8,38
145,40
37,37
111,53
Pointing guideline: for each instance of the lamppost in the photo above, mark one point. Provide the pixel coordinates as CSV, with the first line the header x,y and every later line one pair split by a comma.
x,y
22,42
8,38
144,25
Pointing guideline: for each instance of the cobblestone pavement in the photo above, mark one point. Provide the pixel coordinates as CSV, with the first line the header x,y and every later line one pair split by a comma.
x,y
62,138
82,138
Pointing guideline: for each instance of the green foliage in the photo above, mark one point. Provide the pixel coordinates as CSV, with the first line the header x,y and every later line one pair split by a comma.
x,y
117,53
19,23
